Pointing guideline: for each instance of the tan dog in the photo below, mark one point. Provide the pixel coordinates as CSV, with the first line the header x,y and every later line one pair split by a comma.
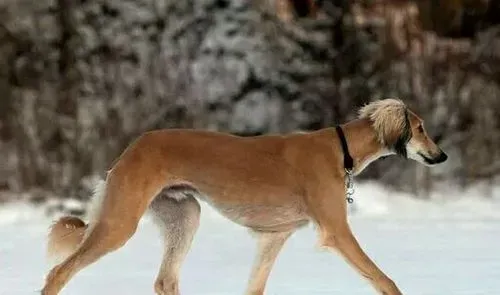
x,y
272,184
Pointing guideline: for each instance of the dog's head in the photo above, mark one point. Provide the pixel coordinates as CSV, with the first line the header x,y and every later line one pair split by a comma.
x,y
401,131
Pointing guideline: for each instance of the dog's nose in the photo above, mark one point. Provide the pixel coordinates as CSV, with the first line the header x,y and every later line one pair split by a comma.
x,y
441,158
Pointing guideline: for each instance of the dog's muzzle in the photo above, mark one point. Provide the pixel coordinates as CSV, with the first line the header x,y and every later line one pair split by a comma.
x,y
441,157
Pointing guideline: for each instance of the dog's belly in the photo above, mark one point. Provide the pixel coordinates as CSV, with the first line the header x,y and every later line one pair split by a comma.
x,y
265,218
258,212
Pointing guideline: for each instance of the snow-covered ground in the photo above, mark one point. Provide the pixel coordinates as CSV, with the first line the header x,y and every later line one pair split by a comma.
x,y
449,246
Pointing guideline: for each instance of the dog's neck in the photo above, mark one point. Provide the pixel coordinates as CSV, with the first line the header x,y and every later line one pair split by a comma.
x,y
363,144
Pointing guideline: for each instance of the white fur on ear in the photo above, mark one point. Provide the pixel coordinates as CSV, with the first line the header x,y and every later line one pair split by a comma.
x,y
388,117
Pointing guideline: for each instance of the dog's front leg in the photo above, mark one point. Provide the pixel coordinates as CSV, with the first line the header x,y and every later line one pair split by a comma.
x,y
329,211
270,243
345,243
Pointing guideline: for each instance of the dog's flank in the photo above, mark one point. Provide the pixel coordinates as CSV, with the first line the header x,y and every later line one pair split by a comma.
x,y
271,184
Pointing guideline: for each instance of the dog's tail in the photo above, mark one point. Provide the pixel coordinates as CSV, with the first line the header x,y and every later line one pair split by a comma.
x,y
66,234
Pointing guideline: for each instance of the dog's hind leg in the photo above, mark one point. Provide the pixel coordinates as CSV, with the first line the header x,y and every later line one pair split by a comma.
x,y
270,244
115,224
178,219
103,239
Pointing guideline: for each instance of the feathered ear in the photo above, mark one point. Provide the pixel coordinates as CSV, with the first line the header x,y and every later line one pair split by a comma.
x,y
389,119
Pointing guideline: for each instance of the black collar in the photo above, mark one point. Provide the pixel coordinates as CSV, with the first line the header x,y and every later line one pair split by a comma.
x,y
348,161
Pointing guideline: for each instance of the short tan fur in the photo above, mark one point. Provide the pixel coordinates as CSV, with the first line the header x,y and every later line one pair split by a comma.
x,y
271,184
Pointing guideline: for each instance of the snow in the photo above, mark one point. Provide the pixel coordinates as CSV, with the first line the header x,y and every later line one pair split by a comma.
x,y
446,246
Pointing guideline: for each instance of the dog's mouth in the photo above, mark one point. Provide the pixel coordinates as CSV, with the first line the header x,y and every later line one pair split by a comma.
x,y
436,160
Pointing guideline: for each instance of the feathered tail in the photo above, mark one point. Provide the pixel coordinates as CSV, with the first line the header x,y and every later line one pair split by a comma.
x,y
64,237
68,232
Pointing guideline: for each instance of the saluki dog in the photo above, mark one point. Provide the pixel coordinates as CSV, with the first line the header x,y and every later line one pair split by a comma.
x,y
271,184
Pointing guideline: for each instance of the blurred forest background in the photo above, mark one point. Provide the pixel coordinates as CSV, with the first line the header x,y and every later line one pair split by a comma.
x,y
80,79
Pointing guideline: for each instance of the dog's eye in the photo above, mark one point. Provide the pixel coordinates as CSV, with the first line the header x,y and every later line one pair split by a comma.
x,y
420,129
